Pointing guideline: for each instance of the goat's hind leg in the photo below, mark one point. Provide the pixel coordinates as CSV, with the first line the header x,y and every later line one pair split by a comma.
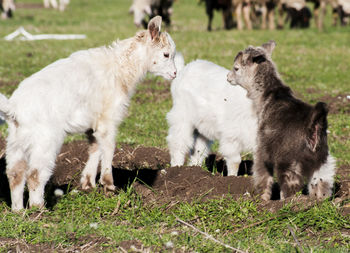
x,y
41,163
16,174
231,152
201,149
180,139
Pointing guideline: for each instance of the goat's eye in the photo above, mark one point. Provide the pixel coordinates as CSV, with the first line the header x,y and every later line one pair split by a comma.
x,y
236,68
166,55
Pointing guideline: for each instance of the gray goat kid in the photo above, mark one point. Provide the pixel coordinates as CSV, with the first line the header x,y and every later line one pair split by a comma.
x,y
292,135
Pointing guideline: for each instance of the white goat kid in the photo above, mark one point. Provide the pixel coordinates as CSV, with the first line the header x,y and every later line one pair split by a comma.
x,y
87,92
141,8
206,108
53,3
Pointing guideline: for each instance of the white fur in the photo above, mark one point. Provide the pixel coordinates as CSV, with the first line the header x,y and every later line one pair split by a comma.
x,y
324,174
141,8
7,5
53,3
205,101
85,91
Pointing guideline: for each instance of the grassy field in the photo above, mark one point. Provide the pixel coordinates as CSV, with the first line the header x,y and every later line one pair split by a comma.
x,y
314,64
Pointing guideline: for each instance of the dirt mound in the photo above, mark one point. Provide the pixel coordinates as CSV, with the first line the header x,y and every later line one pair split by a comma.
x,y
147,168
192,183
337,104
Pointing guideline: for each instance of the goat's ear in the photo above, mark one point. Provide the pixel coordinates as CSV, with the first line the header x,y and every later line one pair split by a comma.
x,y
154,26
259,58
317,124
238,57
269,46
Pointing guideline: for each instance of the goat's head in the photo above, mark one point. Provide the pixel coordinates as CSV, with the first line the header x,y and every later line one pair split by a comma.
x,y
161,50
249,63
140,11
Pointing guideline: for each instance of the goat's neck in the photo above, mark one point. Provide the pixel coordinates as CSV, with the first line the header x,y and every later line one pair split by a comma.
x,y
271,83
132,64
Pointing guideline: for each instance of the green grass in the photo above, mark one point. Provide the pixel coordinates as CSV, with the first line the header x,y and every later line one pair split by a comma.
x,y
306,59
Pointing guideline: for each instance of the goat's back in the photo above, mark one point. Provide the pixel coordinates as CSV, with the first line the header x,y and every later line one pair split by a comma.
x,y
211,103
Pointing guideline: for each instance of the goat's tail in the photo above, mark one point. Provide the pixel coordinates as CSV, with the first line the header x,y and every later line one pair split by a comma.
x,y
4,107
179,61
318,125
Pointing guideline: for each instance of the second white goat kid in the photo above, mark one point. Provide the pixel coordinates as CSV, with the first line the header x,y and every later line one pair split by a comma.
x,y
207,108
87,92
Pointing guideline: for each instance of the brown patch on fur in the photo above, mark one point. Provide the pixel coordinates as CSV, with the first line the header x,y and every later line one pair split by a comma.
x,y
33,180
87,184
125,88
141,36
15,122
15,175
107,179
107,182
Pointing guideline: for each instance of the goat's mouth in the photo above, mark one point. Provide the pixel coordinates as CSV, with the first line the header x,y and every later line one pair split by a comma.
x,y
231,79
170,76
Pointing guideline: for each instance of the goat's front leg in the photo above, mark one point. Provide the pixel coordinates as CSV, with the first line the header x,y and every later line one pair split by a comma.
x,y
238,12
105,136
89,173
263,177
263,16
246,15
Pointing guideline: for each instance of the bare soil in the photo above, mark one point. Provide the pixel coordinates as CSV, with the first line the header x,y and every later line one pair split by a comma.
x,y
339,103
147,169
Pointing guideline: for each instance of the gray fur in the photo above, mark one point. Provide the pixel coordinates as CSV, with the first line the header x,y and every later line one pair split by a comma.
x,y
292,137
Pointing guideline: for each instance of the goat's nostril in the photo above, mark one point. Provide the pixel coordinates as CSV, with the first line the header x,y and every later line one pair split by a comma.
x,y
175,73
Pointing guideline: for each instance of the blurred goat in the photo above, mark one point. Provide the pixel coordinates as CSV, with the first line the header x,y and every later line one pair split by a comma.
x,y
7,7
53,3
151,8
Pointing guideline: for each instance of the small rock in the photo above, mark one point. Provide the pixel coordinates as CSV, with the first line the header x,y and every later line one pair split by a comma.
x,y
169,245
93,225
58,193
174,233
246,194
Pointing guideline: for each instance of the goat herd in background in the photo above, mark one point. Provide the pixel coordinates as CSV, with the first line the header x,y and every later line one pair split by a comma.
x,y
251,13
7,7
247,109
241,14
261,13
